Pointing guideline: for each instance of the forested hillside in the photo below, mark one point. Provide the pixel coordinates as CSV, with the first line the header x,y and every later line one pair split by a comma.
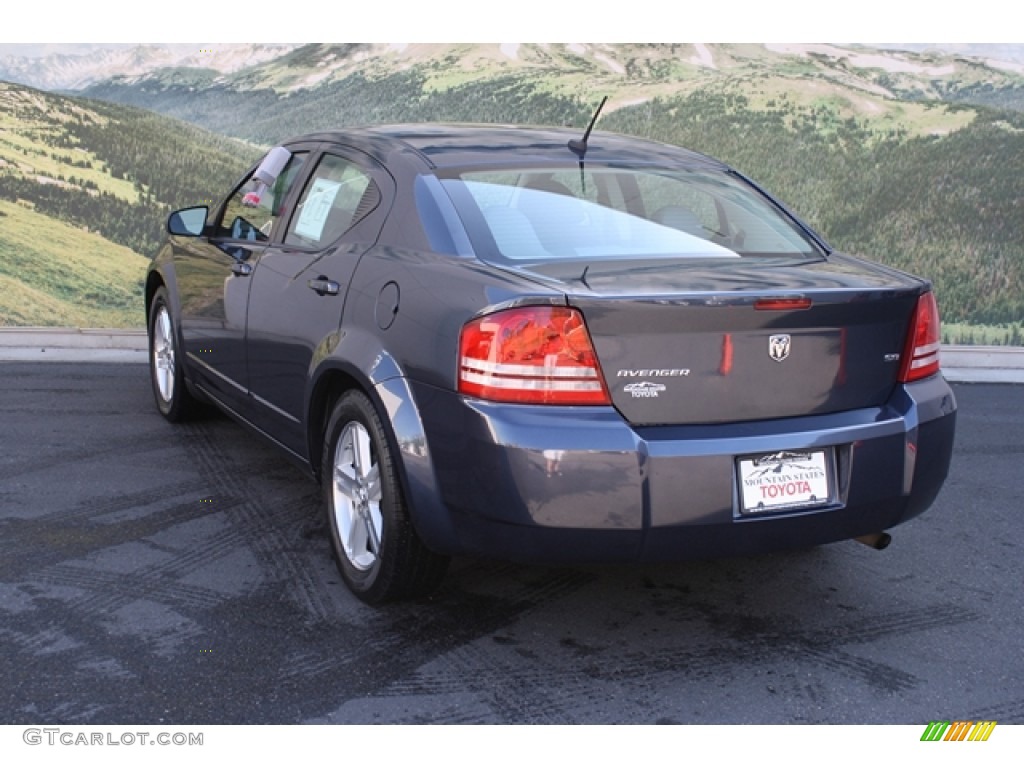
x,y
916,161
112,169
265,116
940,193
950,208
105,170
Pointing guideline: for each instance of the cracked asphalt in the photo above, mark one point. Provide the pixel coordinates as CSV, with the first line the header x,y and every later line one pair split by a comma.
x,y
159,574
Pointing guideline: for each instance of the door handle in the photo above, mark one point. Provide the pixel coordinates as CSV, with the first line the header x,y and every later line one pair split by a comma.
x,y
324,287
241,269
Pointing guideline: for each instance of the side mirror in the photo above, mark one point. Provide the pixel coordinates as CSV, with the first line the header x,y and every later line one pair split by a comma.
x,y
189,222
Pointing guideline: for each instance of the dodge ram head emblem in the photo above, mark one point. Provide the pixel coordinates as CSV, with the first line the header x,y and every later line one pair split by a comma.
x,y
778,347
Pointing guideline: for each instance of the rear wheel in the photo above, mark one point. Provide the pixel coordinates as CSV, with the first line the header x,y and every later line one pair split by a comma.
x,y
173,399
377,550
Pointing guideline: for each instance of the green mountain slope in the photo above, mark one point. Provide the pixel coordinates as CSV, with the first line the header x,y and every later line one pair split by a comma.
x,y
52,273
323,86
84,190
879,151
895,156
949,208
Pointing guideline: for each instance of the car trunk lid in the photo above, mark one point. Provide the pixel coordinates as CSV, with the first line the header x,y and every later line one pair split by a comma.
x,y
692,342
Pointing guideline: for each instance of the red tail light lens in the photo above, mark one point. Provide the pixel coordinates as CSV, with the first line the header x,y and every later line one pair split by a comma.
x,y
531,355
921,354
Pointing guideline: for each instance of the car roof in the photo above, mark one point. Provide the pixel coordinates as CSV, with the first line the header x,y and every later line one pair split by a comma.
x,y
450,145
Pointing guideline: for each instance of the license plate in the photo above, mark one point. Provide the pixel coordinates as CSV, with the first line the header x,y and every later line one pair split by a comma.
x,y
785,480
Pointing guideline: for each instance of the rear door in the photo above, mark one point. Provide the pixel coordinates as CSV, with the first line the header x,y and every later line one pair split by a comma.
x,y
300,284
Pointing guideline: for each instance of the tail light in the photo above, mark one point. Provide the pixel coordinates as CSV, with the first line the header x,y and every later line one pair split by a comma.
x,y
921,353
530,355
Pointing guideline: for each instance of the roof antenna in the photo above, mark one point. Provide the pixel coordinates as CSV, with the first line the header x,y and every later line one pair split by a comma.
x,y
583,278
579,146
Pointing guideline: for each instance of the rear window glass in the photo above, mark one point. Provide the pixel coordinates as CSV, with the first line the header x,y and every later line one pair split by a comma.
x,y
614,213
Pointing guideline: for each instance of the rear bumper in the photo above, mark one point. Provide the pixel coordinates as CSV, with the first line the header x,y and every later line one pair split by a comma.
x,y
564,484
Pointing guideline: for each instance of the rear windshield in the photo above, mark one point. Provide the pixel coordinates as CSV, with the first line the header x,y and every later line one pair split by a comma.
x,y
614,213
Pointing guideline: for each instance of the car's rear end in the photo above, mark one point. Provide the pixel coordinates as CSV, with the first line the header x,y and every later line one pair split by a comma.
x,y
710,381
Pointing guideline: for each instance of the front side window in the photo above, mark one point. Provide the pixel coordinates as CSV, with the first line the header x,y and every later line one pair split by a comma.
x,y
255,208
616,213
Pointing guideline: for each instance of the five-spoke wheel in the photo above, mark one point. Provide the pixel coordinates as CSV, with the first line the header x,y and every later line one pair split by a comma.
x,y
163,354
357,497
172,396
379,554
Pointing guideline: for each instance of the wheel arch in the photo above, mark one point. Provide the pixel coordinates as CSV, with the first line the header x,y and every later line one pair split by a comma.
x,y
327,389
160,274
344,361
154,282
365,366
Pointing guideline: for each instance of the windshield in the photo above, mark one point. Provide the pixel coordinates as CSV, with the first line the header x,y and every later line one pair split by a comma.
x,y
617,213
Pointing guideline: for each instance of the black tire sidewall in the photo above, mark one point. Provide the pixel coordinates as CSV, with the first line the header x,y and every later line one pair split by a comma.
x,y
373,584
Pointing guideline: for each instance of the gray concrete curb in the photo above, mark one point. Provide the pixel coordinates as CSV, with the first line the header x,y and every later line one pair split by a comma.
x,y
119,345
72,345
982,365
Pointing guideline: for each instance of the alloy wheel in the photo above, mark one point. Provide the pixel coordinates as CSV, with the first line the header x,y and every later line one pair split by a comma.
x,y
357,497
163,354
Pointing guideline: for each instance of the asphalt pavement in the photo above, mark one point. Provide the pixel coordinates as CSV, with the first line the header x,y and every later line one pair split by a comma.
x,y
152,573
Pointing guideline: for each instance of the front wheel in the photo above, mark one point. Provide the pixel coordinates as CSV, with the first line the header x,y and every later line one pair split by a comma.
x,y
173,399
378,553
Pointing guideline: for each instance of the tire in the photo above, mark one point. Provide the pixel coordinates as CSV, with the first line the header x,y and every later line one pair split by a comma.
x,y
376,548
173,399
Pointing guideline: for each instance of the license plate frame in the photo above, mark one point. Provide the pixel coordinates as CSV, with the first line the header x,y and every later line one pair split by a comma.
x,y
786,481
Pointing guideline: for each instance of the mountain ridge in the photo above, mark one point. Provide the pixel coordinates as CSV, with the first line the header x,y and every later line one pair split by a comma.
x,y
75,71
913,159
890,89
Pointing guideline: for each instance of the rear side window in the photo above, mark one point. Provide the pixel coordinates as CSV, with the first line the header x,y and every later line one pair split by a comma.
x,y
337,196
615,213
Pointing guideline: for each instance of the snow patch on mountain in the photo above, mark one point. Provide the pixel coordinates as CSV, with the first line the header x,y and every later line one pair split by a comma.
x,y
703,57
890,63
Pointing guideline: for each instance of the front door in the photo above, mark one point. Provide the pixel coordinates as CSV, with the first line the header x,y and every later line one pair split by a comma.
x,y
213,275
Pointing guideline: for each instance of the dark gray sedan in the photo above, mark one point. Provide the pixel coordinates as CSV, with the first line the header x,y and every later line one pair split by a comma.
x,y
513,342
